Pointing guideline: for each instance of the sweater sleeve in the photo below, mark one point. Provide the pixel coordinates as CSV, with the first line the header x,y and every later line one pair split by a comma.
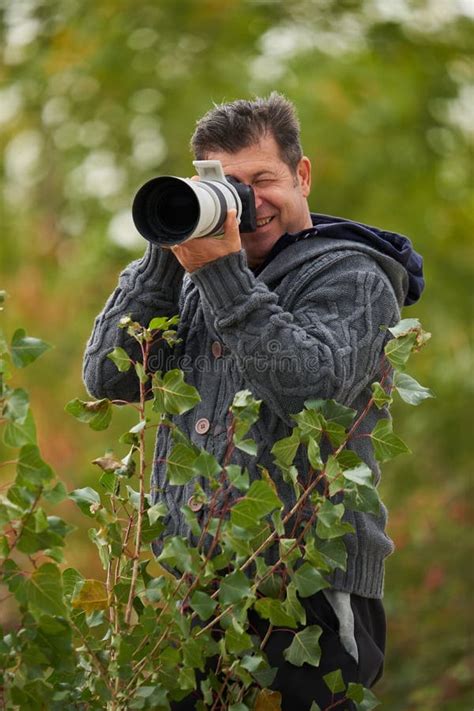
x,y
328,346
148,287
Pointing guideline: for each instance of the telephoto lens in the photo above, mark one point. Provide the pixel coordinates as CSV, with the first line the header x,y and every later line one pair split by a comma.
x,y
170,210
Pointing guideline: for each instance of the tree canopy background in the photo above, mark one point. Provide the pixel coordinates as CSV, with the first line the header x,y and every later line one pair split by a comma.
x,y
98,97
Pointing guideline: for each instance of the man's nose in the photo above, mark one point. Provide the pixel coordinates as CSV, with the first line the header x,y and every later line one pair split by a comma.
x,y
258,198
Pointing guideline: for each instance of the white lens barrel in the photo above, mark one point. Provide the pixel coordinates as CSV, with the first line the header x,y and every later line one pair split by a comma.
x,y
213,210
169,210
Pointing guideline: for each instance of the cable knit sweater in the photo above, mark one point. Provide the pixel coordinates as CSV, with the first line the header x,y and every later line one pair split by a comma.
x,y
308,326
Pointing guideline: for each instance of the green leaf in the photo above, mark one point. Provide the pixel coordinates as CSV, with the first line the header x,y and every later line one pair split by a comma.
x,y
4,548
310,424
177,553
348,459
333,411
206,465
313,554
410,390
386,444
334,475
404,327
245,401
329,523
356,692
253,663
293,605
108,482
380,396
96,413
181,464
120,357
237,477
246,445
40,520
398,350
85,498
31,469
274,610
259,501
156,512
364,699
128,463
186,679
362,498
288,551
32,541
308,580
72,578
141,374
26,349
334,681
55,495
16,405
305,647
203,604
134,498
193,654
162,323
284,450
245,409
314,454
45,591
172,394
233,588
360,475
360,493
335,432
237,642
5,369
151,531
17,434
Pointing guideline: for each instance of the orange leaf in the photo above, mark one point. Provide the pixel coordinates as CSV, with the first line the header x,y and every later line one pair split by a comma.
x,y
268,700
92,596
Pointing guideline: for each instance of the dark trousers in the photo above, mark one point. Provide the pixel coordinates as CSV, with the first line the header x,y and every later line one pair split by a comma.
x,y
300,686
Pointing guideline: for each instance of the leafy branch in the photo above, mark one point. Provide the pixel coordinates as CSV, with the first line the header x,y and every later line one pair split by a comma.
x,y
138,638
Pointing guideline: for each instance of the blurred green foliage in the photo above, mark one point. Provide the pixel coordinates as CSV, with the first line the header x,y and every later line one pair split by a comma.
x,y
98,97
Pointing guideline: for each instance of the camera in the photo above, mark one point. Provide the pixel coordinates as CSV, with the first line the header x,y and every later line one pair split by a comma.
x,y
170,210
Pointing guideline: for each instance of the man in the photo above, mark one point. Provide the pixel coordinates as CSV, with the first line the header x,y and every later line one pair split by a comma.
x,y
303,288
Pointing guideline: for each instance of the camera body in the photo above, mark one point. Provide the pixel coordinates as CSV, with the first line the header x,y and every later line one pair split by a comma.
x,y
169,210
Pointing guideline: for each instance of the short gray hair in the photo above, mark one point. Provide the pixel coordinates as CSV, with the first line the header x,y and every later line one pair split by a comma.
x,y
232,126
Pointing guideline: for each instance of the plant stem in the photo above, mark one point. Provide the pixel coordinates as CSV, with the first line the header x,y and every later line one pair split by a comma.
x,y
141,509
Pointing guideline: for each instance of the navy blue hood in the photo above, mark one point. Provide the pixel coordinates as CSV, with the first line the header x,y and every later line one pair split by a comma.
x,y
393,245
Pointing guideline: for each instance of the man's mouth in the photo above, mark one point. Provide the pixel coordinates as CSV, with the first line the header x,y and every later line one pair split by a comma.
x,y
264,221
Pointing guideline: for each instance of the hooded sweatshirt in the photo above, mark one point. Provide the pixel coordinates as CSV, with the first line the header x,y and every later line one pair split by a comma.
x,y
306,325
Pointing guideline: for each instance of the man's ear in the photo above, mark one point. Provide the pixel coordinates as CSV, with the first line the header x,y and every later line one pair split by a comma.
x,y
303,172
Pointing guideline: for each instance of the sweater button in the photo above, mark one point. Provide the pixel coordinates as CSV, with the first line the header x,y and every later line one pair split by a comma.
x,y
194,504
202,425
216,349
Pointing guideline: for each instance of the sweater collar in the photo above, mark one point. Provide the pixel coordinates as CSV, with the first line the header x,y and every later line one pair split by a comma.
x,y
390,244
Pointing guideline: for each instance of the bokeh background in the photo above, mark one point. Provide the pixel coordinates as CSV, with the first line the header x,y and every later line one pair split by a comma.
x,y
97,97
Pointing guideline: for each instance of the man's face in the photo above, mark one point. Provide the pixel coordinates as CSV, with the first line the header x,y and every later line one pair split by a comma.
x,y
280,195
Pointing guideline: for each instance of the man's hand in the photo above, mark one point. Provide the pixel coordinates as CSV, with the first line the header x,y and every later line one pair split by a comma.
x,y
195,253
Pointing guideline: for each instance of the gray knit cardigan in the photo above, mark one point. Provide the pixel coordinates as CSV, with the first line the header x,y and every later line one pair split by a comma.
x,y
309,326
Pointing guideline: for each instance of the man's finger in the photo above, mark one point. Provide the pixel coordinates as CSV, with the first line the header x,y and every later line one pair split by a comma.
x,y
231,220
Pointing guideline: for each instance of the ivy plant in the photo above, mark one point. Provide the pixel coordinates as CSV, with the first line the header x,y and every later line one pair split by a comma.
x,y
152,630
